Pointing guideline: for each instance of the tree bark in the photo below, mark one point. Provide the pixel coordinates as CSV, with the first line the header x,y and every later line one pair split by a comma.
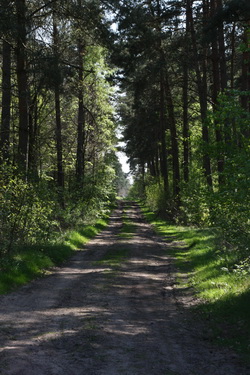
x,y
245,77
6,101
174,140
81,120
58,130
222,53
185,132
202,92
164,163
22,84
218,83
33,130
232,62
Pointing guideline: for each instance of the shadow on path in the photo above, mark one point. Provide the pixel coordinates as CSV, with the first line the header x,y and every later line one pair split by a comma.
x,y
96,316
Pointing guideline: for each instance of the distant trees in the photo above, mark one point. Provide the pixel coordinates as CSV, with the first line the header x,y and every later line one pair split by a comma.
x,y
185,69
146,64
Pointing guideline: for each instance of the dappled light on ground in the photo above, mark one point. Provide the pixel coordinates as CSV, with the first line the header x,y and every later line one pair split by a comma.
x,y
113,309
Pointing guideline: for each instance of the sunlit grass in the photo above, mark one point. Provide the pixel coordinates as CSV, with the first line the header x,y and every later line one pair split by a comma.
x,y
76,239
31,261
212,273
128,229
128,226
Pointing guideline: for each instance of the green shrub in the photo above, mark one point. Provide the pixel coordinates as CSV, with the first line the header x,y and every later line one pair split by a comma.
x,y
155,198
26,210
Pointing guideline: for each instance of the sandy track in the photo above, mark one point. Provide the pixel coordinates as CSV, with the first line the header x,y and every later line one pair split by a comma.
x,y
89,317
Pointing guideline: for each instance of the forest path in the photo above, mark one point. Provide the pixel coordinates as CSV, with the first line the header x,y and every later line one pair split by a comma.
x,y
112,309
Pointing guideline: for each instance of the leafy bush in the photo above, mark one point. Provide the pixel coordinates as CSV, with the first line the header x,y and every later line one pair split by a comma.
x,y
26,210
195,205
155,198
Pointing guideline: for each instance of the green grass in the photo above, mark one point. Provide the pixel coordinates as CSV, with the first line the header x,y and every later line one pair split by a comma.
x,y
212,273
128,227
114,257
78,238
31,261
112,260
118,253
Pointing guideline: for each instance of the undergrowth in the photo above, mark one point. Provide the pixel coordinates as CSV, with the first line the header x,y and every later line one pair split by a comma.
x,y
219,278
28,262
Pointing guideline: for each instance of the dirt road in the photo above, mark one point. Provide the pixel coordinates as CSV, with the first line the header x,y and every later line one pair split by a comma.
x,y
113,309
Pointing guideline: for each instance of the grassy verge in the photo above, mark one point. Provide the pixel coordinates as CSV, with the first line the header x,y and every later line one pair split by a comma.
x,y
222,285
31,261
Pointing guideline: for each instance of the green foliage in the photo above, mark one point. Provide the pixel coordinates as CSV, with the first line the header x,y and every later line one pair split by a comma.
x,y
93,199
195,205
230,209
30,213
225,207
26,210
155,198
137,190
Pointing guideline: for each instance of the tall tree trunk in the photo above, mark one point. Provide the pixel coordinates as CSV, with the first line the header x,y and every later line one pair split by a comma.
x,y
163,151
33,129
174,140
218,83
6,101
164,162
157,169
202,92
185,132
22,84
81,120
232,62
234,133
222,52
245,78
60,171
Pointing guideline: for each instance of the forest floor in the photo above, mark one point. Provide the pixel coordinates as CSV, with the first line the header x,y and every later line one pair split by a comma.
x,y
113,309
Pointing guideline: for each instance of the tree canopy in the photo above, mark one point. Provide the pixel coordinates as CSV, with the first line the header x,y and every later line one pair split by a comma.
x,y
183,68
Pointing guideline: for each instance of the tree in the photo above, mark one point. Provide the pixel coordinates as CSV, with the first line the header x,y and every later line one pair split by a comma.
x,y
185,132
147,73
6,100
201,76
22,83
58,128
